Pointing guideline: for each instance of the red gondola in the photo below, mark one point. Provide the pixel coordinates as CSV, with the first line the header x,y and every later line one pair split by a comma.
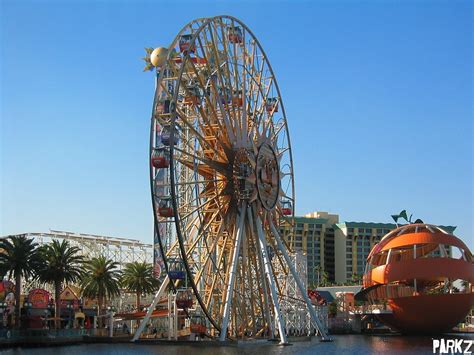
x,y
195,60
234,34
225,95
192,95
271,105
286,208
166,136
185,45
160,160
237,98
184,299
198,325
163,107
164,207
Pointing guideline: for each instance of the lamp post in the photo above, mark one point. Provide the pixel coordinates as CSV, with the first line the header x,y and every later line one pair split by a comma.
x,y
110,320
95,316
3,307
70,308
50,310
27,306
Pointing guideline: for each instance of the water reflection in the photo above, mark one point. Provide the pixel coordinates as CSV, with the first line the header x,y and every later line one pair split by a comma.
x,y
342,344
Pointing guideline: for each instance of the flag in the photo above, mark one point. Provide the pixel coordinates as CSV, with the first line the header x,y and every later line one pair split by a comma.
x,y
402,214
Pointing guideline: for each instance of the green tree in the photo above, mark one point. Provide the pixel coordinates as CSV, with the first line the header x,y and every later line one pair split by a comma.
x,y
325,279
322,276
60,263
18,259
356,279
138,278
317,270
100,280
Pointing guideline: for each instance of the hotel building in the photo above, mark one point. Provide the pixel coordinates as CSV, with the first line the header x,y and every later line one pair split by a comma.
x,y
339,249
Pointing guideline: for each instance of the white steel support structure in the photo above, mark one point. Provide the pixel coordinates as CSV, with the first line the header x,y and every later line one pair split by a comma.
x,y
172,317
121,250
160,293
268,271
297,316
230,286
314,316
264,284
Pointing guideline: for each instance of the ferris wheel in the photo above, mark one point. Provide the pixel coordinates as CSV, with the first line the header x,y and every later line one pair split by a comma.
x,y
221,177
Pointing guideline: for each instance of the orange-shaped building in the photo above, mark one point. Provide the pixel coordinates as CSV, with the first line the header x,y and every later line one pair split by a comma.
x,y
411,273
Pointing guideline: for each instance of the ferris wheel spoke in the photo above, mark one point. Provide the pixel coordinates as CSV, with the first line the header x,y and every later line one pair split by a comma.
x,y
214,113
216,165
214,33
245,122
208,102
173,249
277,131
258,86
217,274
237,79
202,234
202,140
196,208
264,103
208,258
225,115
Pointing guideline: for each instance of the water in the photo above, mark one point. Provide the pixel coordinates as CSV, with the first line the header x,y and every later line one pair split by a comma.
x,y
342,344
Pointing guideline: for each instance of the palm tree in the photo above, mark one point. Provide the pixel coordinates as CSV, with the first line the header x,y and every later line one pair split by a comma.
x,y
60,263
138,278
318,269
323,276
101,280
18,258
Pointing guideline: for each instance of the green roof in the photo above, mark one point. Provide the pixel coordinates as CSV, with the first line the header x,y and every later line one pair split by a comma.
x,y
366,225
310,220
299,219
449,229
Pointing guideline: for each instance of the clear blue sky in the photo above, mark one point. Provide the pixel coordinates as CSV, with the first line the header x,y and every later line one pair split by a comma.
x,y
378,97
